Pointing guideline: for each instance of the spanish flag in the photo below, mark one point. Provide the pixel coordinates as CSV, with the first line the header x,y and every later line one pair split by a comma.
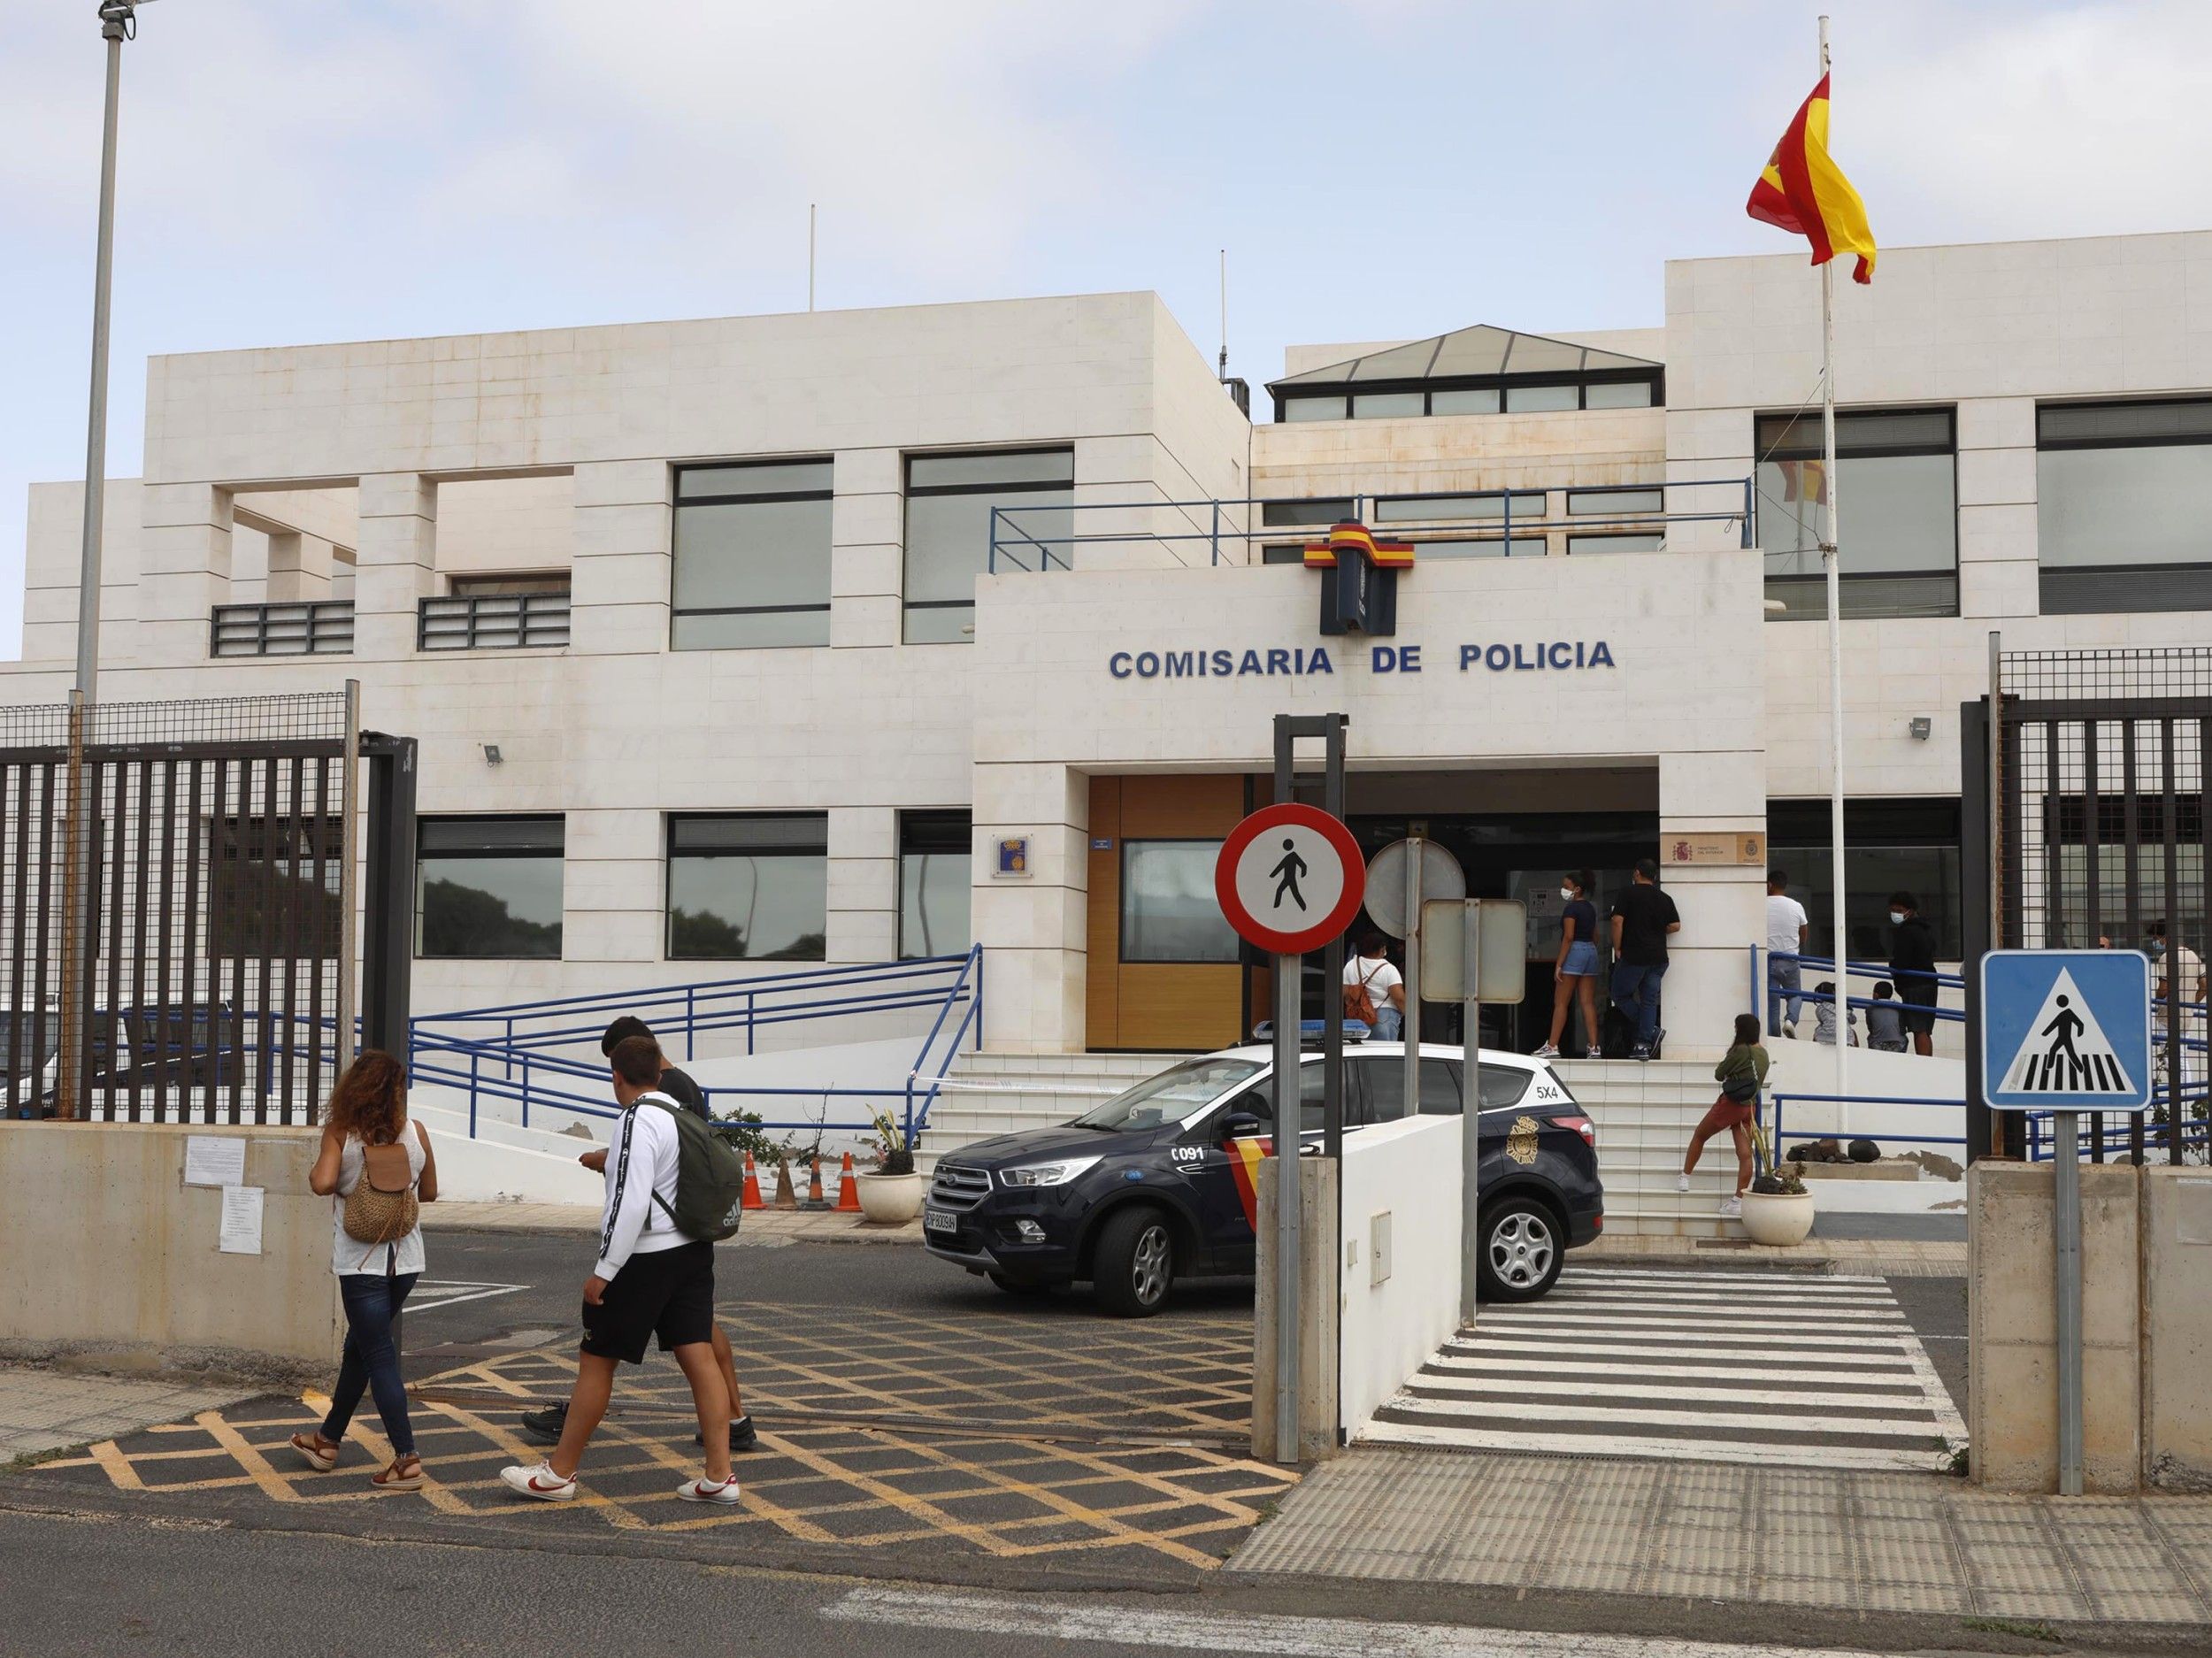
x,y
1804,192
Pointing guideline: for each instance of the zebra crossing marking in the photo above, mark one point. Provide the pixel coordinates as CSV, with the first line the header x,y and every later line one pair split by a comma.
x,y
1707,1367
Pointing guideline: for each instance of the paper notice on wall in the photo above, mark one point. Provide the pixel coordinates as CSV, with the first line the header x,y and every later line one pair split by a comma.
x,y
240,1233
214,1160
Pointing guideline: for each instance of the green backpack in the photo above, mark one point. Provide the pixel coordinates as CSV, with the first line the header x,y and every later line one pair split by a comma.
x,y
710,1177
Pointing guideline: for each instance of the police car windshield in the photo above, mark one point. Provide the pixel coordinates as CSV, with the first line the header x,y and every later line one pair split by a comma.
x,y
1171,1096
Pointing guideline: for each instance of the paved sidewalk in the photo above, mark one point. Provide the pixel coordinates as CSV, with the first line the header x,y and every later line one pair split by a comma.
x,y
762,1226
44,1410
1878,1257
1774,1535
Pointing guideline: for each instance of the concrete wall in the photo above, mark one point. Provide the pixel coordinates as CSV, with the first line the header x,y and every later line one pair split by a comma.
x,y
2178,1328
2012,1381
112,1256
1404,1174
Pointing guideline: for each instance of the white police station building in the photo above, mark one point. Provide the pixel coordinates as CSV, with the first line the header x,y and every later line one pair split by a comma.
x,y
720,654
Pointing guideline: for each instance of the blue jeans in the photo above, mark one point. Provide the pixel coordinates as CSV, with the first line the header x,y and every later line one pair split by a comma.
x,y
1785,981
1636,993
372,1358
1388,1023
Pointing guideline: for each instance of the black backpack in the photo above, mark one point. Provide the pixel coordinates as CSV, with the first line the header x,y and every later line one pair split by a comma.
x,y
710,1177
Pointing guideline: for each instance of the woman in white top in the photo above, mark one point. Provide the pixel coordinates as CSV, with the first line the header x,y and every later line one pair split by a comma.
x,y
369,1108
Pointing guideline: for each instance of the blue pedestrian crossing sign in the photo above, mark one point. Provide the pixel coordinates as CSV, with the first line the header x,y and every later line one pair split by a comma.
x,y
2066,1030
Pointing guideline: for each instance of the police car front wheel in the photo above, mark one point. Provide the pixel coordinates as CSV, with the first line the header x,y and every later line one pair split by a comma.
x,y
1134,1266
1523,1248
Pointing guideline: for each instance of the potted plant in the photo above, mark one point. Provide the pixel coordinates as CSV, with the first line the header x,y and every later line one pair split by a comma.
x,y
1778,1209
892,1196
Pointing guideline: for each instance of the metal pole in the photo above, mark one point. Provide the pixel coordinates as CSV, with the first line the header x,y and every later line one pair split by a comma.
x,y
1333,972
2066,1225
1416,848
349,880
1287,1124
1289,1121
1995,1139
1470,1110
809,256
1831,558
114,21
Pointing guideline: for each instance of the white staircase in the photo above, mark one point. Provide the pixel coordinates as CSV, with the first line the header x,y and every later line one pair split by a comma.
x,y
996,1093
1645,1113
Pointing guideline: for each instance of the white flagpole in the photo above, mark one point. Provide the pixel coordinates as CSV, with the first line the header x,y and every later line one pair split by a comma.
x,y
1830,558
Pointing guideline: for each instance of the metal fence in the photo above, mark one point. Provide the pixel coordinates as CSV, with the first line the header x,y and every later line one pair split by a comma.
x,y
202,982
2098,771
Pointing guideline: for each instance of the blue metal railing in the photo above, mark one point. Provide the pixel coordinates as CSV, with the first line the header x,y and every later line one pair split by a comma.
x,y
1780,1100
1213,523
514,1058
1766,997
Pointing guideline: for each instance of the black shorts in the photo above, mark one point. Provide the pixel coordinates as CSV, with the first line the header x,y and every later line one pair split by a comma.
x,y
1918,1019
668,1294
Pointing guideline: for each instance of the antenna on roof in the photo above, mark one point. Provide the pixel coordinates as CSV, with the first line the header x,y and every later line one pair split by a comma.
x,y
1223,369
809,256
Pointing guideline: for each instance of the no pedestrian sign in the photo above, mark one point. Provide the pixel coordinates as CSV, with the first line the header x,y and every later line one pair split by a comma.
x,y
1290,879
2066,1030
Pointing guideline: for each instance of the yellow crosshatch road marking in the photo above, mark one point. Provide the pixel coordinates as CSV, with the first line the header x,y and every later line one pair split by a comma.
x,y
1133,1456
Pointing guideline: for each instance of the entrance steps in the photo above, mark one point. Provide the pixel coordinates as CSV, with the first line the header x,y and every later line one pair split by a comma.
x,y
1644,1113
997,1093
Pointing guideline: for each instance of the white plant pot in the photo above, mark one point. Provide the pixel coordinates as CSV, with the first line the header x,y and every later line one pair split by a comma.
x,y
1777,1219
890,1199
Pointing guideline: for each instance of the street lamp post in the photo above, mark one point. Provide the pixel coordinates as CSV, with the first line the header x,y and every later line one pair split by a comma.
x,y
119,22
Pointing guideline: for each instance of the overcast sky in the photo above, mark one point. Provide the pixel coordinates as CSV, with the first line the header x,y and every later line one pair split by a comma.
x,y
351,169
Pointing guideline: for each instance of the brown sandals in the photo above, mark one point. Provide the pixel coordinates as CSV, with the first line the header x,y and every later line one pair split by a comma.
x,y
405,1474
321,1454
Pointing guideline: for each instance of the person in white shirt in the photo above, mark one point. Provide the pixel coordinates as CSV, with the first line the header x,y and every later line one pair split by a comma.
x,y
650,1281
1369,971
1788,931
2176,969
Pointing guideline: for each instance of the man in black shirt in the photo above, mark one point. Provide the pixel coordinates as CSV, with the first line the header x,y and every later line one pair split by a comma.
x,y
545,1425
1642,917
1912,963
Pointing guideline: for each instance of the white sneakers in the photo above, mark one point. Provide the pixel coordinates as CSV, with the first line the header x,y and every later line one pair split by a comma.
x,y
1732,1209
1546,1052
708,1491
1789,1029
542,1485
541,1482
1682,1183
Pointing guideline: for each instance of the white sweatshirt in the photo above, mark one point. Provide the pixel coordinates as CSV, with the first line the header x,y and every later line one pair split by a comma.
x,y
639,1163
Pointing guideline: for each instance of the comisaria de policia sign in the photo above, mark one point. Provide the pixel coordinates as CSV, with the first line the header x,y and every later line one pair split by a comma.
x,y
1537,656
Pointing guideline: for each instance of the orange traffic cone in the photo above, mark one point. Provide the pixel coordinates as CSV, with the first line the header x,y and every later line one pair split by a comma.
x,y
785,1196
751,1197
814,1198
848,1189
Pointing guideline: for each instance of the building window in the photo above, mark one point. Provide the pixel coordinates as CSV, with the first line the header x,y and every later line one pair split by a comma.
x,y
934,849
1313,409
272,890
1466,400
949,502
750,887
1615,503
1888,845
1541,399
1615,543
2123,506
489,887
495,613
1388,405
752,555
1523,506
1169,912
1322,511
1897,468
1617,394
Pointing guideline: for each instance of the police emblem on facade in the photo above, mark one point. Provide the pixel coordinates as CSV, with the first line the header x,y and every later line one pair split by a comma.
x,y
1359,583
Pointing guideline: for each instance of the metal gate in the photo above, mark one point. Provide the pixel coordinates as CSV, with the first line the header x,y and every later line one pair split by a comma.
x,y
204,983
2099,773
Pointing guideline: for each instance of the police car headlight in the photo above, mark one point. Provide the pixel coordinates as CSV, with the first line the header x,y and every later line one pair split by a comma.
x,y
1045,1173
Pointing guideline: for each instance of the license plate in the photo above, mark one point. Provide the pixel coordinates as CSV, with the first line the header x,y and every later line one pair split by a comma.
x,y
939,1220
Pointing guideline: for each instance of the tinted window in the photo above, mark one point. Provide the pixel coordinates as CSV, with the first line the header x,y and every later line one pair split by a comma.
x,y
754,887
1169,910
752,556
1900,555
950,500
1383,1080
489,887
933,883
1171,1096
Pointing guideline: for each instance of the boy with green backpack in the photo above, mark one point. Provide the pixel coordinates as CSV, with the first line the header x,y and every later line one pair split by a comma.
x,y
673,1189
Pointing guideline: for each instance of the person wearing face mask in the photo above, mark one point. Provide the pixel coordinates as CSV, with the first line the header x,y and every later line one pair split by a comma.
x,y
2175,968
1912,964
1575,976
